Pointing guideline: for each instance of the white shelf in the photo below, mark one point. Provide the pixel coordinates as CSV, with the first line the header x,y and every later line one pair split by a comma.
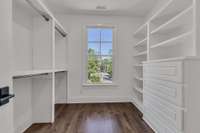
x,y
31,72
173,59
138,65
36,72
141,43
170,9
175,40
141,31
141,54
182,19
138,90
61,70
139,78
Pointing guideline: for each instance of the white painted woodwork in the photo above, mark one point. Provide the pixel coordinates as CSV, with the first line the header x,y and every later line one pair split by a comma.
x,y
6,111
38,55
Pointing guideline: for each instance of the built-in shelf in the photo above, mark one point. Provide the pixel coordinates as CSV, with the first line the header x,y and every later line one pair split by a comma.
x,y
24,73
182,19
169,10
173,59
181,39
141,43
138,65
141,32
139,78
138,90
31,72
61,70
141,54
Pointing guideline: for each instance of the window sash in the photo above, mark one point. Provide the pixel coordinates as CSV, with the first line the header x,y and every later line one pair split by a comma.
x,y
99,54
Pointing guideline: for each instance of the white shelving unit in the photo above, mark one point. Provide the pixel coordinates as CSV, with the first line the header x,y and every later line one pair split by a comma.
x,y
172,41
172,29
140,55
40,64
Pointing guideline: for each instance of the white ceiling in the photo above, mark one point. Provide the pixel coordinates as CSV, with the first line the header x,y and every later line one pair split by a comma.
x,y
137,8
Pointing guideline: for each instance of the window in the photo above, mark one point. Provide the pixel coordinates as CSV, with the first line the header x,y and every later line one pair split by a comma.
x,y
100,55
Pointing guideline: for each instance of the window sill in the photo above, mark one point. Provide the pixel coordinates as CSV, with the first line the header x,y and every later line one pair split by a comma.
x,y
88,85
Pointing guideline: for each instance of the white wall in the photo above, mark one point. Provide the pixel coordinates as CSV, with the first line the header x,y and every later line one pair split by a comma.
x,y
125,29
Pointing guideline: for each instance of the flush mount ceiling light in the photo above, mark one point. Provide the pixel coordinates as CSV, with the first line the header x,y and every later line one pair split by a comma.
x,y
101,7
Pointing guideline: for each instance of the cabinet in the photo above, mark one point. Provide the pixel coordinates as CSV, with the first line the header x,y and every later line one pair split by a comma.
x,y
172,101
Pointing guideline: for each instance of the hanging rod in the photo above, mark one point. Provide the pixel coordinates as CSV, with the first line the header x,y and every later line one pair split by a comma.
x,y
62,33
46,14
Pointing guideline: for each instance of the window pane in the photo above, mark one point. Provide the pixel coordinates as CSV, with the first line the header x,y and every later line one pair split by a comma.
x,y
94,48
106,69
94,65
106,35
100,55
93,35
106,49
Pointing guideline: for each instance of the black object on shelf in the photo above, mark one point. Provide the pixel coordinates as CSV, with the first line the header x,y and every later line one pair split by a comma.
x,y
5,96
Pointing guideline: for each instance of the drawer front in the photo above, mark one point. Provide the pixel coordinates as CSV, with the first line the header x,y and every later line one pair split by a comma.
x,y
158,123
170,113
171,71
169,91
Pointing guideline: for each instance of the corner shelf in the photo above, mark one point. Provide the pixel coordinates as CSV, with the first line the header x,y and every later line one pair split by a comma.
x,y
141,54
141,43
139,78
138,65
138,90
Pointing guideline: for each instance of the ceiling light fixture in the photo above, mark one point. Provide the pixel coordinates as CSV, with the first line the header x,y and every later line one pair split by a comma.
x,y
101,7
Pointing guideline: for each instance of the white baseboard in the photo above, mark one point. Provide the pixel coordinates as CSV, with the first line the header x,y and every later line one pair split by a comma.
x,y
23,127
98,99
148,123
136,105
61,101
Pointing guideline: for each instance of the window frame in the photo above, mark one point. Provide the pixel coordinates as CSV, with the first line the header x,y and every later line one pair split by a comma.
x,y
85,56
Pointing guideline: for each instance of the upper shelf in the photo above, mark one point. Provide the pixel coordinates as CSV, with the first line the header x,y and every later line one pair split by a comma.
x,y
169,10
40,7
183,19
141,31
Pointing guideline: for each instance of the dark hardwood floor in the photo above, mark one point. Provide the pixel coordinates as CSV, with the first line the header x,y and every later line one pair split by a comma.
x,y
94,118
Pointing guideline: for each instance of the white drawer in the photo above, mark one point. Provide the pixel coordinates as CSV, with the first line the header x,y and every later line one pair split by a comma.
x,y
170,91
157,122
172,114
171,71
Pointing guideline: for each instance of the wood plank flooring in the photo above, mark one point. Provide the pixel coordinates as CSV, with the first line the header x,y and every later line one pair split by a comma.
x,y
94,118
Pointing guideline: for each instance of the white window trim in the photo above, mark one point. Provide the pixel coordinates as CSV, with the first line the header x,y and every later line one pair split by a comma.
x,y
85,57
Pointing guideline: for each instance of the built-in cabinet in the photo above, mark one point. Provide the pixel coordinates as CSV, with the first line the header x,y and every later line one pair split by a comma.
x,y
39,64
170,74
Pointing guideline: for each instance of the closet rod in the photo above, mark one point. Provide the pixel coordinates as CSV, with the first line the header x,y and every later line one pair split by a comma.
x,y
27,76
46,16
63,34
43,14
